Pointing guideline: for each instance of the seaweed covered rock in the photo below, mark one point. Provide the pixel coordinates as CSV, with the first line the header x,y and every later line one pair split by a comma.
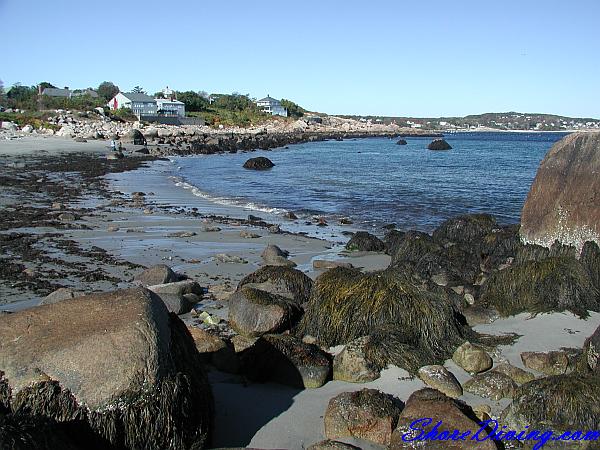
x,y
590,259
260,163
426,408
22,432
440,378
365,242
466,229
552,284
516,374
351,364
253,312
472,358
550,363
116,366
562,203
439,144
366,414
591,352
287,360
492,385
284,281
560,403
408,325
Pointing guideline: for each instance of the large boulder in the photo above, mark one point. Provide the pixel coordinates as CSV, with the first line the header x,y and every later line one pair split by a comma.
x,y
280,280
550,363
552,284
366,414
428,412
365,242
134,136
253,312
260,163
467,229
180,296
408,325
493,385
115,366
562,203
287,360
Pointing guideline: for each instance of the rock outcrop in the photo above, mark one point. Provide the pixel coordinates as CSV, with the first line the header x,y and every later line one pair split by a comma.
x,y
116,368
562,203
365,242
439,144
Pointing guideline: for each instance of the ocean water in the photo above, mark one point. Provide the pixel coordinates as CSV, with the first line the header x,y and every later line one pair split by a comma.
x,y
376,182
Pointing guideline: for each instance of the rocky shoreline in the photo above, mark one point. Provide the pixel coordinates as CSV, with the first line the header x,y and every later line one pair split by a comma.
x,y
178,339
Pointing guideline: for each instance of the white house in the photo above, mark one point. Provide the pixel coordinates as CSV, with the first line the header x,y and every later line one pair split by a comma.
x,y
140,104
272,106
168,107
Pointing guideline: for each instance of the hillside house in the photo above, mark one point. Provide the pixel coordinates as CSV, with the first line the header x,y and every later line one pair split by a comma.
x,y
272,106
140,104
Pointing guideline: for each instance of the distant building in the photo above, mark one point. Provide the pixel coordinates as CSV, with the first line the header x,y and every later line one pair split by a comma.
x,y
56,92
80,93
140,104
168,107
272,106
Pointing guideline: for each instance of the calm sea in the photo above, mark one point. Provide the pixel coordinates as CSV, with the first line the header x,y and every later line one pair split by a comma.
x,y
376,182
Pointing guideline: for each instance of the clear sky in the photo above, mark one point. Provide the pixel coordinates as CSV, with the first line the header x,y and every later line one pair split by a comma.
x,y
401,58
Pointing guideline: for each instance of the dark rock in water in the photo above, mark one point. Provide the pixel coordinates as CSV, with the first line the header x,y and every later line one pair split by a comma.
x,y
559,403
468,229
322,264
408,325
401,142
252,218
287,360
284,281
116,368
366,414
159,274
552,284
562,203
253,312
365,242
260,163
439,144
290,215
453,415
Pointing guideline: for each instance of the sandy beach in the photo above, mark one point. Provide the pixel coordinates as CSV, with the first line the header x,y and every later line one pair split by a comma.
x,y
170,225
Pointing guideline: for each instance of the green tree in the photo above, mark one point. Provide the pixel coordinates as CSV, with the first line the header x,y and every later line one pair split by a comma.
x,y
138,90
293,109
193,101
45,84
107,90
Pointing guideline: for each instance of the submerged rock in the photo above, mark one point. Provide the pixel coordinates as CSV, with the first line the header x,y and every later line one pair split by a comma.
x,y
550,363
517,374
260,163
366,414
401,142
492,385
116,368
562,203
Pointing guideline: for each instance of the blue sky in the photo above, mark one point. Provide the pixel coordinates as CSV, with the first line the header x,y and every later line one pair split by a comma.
x,y
418,58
